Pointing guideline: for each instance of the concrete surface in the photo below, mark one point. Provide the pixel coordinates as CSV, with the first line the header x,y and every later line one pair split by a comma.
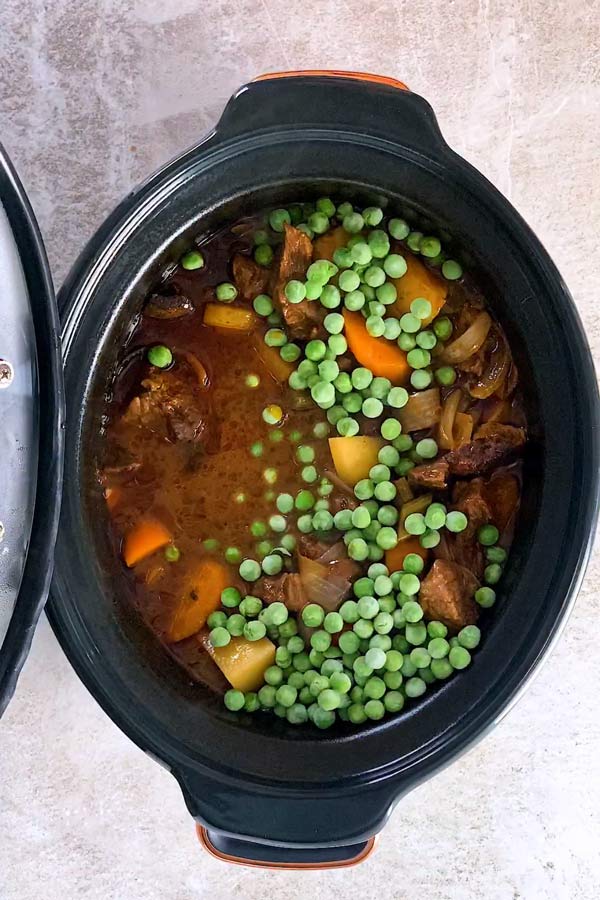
x,y
94,94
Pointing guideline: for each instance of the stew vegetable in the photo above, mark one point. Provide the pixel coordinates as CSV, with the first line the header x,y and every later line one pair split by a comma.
x,y
311,463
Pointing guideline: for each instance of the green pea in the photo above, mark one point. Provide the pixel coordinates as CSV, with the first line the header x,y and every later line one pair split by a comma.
x,y
234,700
278,218
318,222
445,375
385,491
392,329
275,337
492,573
219,637
427,448
375,326
216,619
416,634
485,597
420,379
355,300
226,292
443,328
263,255
397,397
418,358
426,340
395,265
451,270
235,625
191,260
347,427
414,241
459,657
160,356
374,276
410,323
249,570
358,550
488,535
379,243
456,521
232,555
415,687
398,229
312,615
320,640
496,554
353,223
372,407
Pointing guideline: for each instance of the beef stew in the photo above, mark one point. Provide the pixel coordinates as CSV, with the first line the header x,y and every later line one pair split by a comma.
x,y
311,462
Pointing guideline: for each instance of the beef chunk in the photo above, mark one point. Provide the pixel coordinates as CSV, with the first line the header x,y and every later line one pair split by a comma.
x,y
338,502
168,306
192,655
464,547
250,278
447,595
172,407
493,445
432,475
502,493
286,588
304,320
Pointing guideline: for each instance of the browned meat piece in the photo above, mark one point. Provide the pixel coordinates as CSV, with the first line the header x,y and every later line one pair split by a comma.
x,y
311,547
502,494
446,595
168,306
250,278
286,588
172,407
431,475
464,547
338,502
494,444
192,655
303,319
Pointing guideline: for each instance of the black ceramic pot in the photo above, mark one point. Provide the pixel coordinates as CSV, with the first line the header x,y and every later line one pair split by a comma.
x,y
266,791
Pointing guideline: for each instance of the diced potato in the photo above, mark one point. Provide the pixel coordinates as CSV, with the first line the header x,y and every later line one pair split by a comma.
x,y
234,318
353,457
201,597
243,663
276,366
418,281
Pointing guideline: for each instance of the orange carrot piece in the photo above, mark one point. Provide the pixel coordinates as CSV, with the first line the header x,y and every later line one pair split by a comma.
x,y
418,281
202,596
377,354
394,558
143,539
325,246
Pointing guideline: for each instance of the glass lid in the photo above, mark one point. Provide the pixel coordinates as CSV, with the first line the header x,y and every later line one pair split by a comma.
x,y
30,427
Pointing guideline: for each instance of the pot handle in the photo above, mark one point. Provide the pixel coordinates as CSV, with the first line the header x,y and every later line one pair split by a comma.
x,y
261,826
265,856
353,103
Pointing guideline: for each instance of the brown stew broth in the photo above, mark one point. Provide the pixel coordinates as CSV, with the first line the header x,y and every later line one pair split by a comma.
x,y
194,487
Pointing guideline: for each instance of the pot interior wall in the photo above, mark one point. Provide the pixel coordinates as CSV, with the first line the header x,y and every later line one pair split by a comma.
x,y
146,693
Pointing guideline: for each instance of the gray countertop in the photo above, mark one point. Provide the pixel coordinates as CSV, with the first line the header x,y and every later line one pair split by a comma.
x,y
95,94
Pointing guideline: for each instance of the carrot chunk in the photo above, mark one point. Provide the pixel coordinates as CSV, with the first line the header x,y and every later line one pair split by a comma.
x,y
143,539
382,357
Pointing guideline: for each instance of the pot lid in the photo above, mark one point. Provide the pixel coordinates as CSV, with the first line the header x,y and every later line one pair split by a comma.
x,y
31,436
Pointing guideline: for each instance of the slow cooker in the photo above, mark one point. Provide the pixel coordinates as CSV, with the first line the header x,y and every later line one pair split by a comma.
x,y
260,791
